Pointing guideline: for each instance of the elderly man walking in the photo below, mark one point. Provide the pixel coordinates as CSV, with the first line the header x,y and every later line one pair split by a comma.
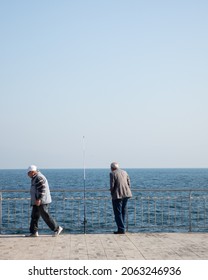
x,y
40,200
120,192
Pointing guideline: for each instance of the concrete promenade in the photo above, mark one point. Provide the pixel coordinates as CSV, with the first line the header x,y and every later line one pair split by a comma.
x,y
131,246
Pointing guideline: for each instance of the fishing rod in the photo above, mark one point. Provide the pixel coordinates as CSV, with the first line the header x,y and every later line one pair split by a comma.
x,y
84,182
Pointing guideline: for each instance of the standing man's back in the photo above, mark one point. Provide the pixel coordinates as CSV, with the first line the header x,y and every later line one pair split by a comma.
x,y
120,193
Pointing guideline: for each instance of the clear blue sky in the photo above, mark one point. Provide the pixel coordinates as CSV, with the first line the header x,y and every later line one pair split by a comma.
x,y
131,76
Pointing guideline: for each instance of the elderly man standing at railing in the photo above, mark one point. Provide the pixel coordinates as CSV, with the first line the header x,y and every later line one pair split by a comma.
x,y
120,192
40,200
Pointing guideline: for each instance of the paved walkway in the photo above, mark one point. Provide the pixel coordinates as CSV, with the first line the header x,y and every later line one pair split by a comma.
x,y
131,246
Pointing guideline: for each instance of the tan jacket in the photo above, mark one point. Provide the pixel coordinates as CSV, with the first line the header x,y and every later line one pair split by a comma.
x,y
120,184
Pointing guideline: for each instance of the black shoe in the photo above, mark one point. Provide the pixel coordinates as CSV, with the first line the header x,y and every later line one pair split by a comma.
x,y
119,232
35,234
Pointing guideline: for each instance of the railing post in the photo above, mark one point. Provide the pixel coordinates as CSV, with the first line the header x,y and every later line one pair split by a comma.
x,y
0,212
190,206
127,219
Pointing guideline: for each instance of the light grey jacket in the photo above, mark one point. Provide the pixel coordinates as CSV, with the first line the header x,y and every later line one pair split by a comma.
x,y
40,189
120,186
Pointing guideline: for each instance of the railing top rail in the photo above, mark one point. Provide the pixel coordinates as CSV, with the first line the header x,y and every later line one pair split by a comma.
x,y
107,190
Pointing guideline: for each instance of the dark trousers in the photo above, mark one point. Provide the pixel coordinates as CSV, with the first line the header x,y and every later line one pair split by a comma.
x,y
119,208
41,211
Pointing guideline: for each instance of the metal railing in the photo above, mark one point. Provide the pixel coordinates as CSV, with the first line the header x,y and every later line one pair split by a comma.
x,y
148,210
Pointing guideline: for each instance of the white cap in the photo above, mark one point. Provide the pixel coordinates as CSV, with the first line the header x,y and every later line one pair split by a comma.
x,y
32,168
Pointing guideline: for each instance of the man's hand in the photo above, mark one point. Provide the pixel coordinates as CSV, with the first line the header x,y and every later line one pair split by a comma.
x,y
38,202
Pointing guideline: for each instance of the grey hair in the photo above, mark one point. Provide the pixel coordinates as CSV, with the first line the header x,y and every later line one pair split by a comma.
x,y
114,165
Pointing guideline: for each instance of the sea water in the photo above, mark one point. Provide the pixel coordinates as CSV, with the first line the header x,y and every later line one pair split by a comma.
x,y
145,183
17,179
